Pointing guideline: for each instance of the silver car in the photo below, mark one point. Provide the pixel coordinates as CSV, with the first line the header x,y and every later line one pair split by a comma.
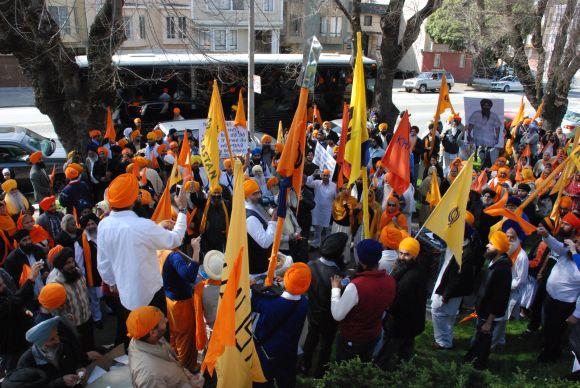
x,y
429,80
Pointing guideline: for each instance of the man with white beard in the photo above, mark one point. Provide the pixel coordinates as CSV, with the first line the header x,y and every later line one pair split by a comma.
x,y
520,265
86,258
16,202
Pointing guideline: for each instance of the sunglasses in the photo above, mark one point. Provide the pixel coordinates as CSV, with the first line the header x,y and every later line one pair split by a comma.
x,y
391,204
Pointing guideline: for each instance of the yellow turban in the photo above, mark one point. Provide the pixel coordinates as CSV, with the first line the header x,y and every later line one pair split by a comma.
x,y
527,173
35,157
217,189
151,136
266,139
195,184
410,245
71,154
142,320
123,191
297,279
8,185
390,237
52,296
500,241
250,187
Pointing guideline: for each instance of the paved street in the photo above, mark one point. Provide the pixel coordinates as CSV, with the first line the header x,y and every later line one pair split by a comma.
x,y
421,106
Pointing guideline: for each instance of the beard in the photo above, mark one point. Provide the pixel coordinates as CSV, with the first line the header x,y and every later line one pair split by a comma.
x,y
490,254
72,275
563,235
513,247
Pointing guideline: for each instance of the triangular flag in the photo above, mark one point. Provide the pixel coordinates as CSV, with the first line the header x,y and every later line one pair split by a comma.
x,y
434,194
481,180
341,146
110,132
357,147
184,158
447,220
539,111
174,176
240,118
163,209
397,158
280,137
316,115
443,103
209,150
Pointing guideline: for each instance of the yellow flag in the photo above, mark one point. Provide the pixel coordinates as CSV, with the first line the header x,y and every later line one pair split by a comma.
x,y
519,116
444,102
538,111
447,220
239,365
356,151
434,194
175,176
209,150
280,137
365,197
240,118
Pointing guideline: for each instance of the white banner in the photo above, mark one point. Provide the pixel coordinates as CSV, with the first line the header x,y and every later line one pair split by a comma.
x,y
257,84
324,159
238,140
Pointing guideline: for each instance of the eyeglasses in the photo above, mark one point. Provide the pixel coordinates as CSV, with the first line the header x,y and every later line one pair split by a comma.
x,y
391,204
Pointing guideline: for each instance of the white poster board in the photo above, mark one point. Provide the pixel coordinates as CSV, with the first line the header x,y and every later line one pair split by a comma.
x,y
257,84
323,159
485,125
238,139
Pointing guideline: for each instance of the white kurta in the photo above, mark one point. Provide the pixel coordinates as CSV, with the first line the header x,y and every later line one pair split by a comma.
x,y
323,197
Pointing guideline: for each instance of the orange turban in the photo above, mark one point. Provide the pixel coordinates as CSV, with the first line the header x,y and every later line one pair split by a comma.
x,y
158,134
77,167
52,296
500,241
140,161
129,168
250,187
8,185
469,218
326,171
390,237
410,245
35,157
146,198
383,126
572,219
161,148
176,111
71,173
566,203
47,202
503,170
103,150
94,133
173,145
297,279
272,182
135,133
142,320
227,163
195,184
53,253
122,143
527,121
266,139
123,191
315,133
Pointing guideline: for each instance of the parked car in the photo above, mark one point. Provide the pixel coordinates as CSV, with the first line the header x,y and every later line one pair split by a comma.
x,y
570,123
507,84
16,145
429,80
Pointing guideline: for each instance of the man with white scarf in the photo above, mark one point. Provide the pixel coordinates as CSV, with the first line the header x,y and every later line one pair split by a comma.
x,y
520,265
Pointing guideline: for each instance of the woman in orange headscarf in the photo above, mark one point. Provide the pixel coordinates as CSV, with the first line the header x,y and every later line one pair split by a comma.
x,y
38,234
393,215
7,224
499,163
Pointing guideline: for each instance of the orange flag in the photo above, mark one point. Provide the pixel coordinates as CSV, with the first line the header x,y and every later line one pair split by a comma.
x,y
526,226
51,177
163,209
224,329
481,180
184,158
110,132
316,115
527,151
240,118
397,158
291,162
344,170
76,217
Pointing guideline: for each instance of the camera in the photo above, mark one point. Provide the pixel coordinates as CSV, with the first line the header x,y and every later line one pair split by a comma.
x,y
268,201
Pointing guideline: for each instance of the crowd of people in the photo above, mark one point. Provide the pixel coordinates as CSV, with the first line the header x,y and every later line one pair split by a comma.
x,y
70,260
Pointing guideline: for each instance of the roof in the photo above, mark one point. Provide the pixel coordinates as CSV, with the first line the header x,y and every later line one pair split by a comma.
x,y
373,8
151,59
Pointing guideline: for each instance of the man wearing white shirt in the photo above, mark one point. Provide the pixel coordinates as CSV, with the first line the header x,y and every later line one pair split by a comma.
x,y
128,244
563,289
361,306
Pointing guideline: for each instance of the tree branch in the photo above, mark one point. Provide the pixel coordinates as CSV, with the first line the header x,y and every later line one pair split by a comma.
x,y
414,23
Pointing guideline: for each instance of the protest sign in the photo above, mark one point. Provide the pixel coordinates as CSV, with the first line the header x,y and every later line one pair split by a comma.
x,y
324,159
485,123
238,140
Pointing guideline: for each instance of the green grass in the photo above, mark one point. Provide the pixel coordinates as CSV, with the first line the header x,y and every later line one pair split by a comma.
x,y
511,365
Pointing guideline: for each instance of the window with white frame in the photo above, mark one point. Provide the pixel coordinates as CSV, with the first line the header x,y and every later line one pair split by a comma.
x,y
330,26
142,33
170,27
182,31
226,5
462,61
368,20
204,39
232,40
268,6
219,40
128,27
60,15
437,61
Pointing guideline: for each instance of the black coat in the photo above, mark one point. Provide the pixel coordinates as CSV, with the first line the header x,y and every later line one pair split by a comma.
x,y
495,291
13,321
17,258
304,216
408,309
455,283
319,292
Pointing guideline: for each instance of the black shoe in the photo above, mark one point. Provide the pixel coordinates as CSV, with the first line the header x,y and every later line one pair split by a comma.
x,y
99,324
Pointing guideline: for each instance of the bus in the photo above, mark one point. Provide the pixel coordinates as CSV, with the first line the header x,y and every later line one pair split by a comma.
x,y
142,77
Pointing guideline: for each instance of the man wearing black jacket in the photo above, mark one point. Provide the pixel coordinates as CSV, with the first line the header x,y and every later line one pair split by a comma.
x,y
492,300
21,260
304,215
451,286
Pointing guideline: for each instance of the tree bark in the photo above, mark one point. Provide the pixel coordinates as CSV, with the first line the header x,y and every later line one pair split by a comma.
x,y
72,105
354,21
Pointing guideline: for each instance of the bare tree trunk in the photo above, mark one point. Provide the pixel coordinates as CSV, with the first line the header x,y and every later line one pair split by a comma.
x,y
72,105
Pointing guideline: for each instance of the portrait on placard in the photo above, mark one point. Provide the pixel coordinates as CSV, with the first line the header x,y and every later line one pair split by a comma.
x,y
485,123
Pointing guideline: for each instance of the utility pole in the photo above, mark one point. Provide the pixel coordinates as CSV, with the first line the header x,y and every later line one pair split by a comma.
x,y
251,49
